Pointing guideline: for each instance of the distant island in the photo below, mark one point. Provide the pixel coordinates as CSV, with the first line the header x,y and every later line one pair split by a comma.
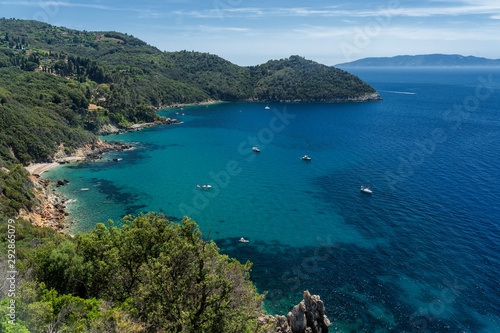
x,y
424,60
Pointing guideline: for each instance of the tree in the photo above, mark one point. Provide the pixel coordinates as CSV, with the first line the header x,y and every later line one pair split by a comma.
x,y
168,275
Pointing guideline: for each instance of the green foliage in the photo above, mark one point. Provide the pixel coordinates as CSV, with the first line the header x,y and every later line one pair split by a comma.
x,y
141,74
298,79
39,309
165,273
38,113
15,192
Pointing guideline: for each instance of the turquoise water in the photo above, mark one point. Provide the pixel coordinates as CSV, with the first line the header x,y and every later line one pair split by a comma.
x,y
420,254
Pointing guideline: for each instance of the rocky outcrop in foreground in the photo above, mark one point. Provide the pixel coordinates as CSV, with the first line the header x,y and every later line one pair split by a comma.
x,y
306,317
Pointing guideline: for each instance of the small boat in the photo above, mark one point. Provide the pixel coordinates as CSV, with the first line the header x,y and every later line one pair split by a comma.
x,y
306,157
183,114
366,190
205,186
243,240
84,189
255,149
267,107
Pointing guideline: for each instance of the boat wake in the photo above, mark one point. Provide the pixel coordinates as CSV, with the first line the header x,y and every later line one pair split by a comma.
x,y
399,92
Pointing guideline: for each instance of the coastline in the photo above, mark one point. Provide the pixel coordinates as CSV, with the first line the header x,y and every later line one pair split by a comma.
x,y
89,152
39,168
181,105
112,130
50,211
368,97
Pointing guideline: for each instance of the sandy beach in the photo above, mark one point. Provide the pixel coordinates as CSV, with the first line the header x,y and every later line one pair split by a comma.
x,y
39,168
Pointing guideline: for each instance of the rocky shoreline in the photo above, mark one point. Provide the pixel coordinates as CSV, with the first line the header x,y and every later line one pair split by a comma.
x,y
112,130
306,317
181,105
50,212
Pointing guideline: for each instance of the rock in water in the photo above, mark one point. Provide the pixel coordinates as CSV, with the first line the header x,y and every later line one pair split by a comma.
x,y
306,317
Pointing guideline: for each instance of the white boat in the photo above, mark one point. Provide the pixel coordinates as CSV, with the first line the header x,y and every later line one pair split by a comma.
x,y
366,190
255,149
243,240
306,157
207,187
267,107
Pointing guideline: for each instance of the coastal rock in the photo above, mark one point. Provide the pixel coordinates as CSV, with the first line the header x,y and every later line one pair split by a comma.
x,y
306,317
62,182
50,210
111,130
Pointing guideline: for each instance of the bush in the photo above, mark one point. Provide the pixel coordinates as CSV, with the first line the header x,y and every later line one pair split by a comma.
x,y
172,279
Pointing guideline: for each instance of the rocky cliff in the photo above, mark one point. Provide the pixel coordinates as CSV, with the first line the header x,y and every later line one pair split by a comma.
x,y
306,317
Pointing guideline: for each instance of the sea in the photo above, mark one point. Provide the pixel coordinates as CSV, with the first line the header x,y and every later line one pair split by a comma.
x,y
420,254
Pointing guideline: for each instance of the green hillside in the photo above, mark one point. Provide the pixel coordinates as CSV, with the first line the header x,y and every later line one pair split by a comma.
x,y
148,76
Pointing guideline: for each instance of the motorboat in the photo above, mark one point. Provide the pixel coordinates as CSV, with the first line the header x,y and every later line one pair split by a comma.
x,y
243,240
255,149
366,190
306,157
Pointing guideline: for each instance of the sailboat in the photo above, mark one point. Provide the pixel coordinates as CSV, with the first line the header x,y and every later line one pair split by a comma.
x,y
306,157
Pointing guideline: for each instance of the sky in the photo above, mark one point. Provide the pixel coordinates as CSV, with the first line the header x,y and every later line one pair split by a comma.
x,y
251,32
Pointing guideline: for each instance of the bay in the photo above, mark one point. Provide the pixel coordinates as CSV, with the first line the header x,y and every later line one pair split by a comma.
x,y
420,254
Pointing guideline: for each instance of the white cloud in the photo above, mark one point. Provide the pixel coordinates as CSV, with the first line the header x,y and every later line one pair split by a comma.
x,y
57,4
470,7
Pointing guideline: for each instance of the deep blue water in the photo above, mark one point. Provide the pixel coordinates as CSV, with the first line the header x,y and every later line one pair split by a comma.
x,y
420,254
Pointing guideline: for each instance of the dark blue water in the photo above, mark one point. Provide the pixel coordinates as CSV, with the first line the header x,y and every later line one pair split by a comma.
x,y
420,254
